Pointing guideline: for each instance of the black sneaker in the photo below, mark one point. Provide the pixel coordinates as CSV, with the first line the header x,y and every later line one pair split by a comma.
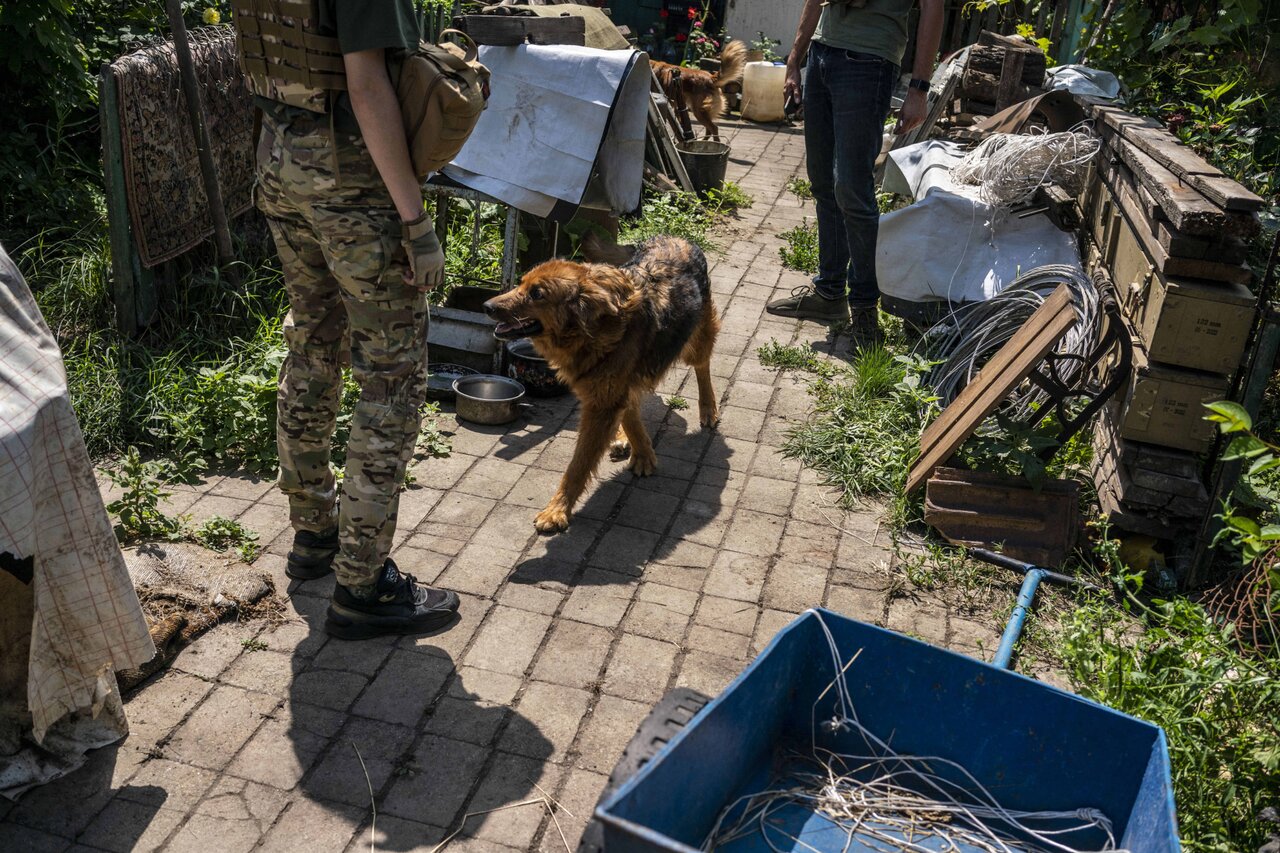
x,y
864,329
312,554
400,605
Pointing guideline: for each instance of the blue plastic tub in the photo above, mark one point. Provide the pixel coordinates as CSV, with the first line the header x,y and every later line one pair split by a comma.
x,y
1035,748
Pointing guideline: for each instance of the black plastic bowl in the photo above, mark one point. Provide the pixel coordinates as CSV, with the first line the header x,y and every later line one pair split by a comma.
x,y
531,370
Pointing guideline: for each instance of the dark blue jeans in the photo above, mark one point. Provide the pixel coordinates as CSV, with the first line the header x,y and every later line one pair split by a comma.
x,y
846,101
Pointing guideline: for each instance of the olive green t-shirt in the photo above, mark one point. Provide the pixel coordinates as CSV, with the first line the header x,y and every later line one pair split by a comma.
x,y
878,28
370,24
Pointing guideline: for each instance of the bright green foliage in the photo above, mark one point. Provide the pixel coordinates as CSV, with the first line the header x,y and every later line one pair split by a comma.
x,y
677,403
1253,537
219,534
433,443
729,198
677,214
801,251
1219,708
800,188
766,45
783,357
865,430
137,510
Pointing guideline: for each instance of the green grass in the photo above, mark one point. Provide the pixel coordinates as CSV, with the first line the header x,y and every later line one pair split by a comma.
x,y
677,403
801,251
802,358
800,188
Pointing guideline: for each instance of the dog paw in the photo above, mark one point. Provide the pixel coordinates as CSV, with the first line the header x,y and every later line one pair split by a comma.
x,y
553,519
643,466
709,418
619,450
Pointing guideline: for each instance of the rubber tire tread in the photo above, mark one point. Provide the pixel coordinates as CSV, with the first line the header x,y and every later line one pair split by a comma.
x,y
669,716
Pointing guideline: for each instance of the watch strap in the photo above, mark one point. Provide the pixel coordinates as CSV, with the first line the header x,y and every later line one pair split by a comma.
x,y
919,83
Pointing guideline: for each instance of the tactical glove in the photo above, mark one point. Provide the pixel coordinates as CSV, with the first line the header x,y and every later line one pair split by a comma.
x,y
426,259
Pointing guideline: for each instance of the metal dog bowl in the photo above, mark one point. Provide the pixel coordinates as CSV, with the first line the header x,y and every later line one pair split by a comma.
x,y
488,399
531,370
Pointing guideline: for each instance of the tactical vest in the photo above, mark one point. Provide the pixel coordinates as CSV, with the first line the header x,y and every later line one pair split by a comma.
x,y
283,54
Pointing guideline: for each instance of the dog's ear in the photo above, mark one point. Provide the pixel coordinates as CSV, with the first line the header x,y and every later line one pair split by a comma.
x,y
600,294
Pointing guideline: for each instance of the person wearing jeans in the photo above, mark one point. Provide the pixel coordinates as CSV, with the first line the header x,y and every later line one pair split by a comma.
x,y
854,49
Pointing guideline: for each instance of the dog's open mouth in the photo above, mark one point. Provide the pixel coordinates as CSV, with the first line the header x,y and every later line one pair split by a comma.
x,y
515,330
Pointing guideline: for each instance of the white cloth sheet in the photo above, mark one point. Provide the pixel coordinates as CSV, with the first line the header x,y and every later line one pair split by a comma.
x,y
63,575
537,142
949,245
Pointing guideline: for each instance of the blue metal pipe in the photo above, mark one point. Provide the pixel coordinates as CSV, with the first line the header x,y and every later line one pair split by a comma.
x,y
1013,630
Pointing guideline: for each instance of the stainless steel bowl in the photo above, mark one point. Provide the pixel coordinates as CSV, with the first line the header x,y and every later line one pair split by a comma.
x,y
488,399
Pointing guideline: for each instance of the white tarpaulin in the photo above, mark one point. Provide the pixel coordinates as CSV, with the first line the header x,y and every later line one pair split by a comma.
x,y
949,246
537,142
69,617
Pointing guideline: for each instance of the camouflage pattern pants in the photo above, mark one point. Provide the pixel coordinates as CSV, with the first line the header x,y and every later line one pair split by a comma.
x,y
338,236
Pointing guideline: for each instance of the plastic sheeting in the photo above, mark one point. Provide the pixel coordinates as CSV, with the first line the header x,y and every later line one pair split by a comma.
x,y
69,616
1083,80
558,115
950,247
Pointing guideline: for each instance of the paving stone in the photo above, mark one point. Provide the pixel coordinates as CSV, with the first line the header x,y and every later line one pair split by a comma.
x,y
755,533
154,711
210,506
415,503
444,473
509,527
432,787
31,840
769,624
554,712
569,547
740,423
264,671
461,512
508,640
168,784
363,657
600,598
287,745
310,825
539,599
213,652
915,619
511,780
124,826
661,612
795,585
737,576
574,654
490,478
480,568
613,722
601,497
398,834
707,672
682,577
706,639
640,668
727,614
219,727
534,488
576,800
328,688
434,544
232,818
973,638
767,495
625,549
362,749
404,688
862,604
266,520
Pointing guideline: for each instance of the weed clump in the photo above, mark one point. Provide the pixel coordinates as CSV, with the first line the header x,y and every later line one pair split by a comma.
x,y
801,251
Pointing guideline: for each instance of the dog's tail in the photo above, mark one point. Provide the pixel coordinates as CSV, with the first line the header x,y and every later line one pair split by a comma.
x,y
605,250
733,61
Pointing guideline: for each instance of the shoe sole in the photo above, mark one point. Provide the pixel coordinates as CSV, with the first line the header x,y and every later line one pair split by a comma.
x,y
307,570
808,315
348,624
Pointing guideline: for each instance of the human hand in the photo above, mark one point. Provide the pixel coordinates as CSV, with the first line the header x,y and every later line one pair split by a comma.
x,y
426,258
792,89
913,111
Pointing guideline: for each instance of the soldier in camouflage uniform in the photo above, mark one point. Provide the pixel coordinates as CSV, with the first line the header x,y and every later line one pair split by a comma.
x,y
358,256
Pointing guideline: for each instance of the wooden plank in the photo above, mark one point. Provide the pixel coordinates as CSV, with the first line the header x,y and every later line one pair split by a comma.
x,y
1004,372
1185,246
509,30
1211,270
1010,88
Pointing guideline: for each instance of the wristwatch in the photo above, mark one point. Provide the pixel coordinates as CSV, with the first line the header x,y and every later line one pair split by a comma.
x,y
918,83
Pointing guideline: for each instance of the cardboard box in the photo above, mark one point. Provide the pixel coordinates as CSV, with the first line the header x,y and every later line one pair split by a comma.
x,y
1165,405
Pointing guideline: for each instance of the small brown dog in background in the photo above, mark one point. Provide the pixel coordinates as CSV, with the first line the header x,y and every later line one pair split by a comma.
x,y
612,331
702,90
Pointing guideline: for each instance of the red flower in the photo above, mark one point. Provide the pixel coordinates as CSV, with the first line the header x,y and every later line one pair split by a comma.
x,y
693,13
662,13
681,36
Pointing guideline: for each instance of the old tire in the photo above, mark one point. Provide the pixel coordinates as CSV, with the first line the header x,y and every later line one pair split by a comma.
x,y
672,713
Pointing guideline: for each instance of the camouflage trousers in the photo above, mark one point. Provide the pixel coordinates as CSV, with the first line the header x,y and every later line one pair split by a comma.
x,y
338,236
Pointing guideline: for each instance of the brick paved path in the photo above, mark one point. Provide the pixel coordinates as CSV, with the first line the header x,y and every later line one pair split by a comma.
x,y
564,644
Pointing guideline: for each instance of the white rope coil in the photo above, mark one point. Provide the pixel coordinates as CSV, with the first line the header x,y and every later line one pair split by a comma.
x,y
1010,167
968,338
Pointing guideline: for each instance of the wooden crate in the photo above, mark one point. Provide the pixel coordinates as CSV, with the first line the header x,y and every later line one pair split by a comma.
x,y
1165,405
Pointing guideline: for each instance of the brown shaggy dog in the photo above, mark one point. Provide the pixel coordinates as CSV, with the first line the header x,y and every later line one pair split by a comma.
x,y
701,89
611,333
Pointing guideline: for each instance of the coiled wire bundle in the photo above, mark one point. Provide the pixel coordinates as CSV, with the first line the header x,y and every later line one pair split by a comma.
x,y
964,341
1010,167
